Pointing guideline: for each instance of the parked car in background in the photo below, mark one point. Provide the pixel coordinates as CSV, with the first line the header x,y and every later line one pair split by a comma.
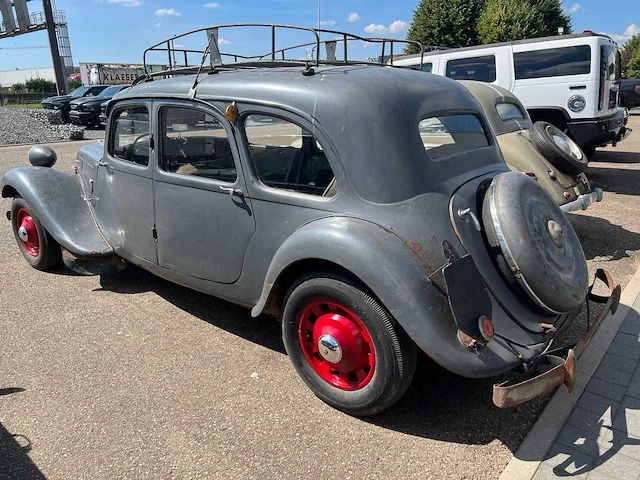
x,y
630,93
86,110
539,149
569,81
268,185
62,102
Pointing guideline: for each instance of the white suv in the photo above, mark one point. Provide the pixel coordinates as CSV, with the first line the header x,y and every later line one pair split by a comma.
x,y
570,81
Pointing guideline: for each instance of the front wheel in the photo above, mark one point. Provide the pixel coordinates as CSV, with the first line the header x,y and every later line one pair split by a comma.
x,y
36,244
345,346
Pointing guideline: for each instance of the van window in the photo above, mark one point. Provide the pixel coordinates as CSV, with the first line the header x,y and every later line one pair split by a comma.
x,y
482,69
553,62
448,134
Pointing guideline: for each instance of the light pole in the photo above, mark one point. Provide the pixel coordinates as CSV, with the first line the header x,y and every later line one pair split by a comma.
x,y
318,14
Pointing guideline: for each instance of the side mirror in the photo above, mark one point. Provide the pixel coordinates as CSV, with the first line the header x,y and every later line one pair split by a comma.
x,y
42,156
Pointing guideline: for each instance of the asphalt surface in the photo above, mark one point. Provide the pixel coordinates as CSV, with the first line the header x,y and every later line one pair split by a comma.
x,y
133,377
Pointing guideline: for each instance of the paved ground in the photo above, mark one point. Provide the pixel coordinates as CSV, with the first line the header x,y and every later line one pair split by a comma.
x,y
130,376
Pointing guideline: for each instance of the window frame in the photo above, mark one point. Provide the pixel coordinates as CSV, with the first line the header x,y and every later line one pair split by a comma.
x,y
318,135
212,111
113,130
491,55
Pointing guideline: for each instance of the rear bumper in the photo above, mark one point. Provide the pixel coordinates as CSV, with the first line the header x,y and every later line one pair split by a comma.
x,y
583,201
540,379
599,131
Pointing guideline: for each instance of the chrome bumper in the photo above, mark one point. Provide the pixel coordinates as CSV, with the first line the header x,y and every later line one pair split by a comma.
x,y
583,201
550,369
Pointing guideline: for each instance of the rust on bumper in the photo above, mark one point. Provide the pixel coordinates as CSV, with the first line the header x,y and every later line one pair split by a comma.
x,y
550,369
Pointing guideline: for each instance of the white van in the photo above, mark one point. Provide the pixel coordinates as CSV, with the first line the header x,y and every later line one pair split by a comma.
x,y
571,81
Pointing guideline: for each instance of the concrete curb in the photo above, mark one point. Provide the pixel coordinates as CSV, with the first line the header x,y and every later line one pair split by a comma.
x,y
536,445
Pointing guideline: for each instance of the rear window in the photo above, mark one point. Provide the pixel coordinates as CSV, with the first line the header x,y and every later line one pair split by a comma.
x,y
482,69
448,134
553,62
509,111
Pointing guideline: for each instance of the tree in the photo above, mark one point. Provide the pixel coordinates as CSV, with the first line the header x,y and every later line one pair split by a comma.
x,y
73,84
633,67
40,85
446,23
629,50
508,20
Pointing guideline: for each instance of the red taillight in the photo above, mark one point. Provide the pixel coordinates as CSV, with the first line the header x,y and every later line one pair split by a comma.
x,y
532,175
637,88
567,195
626,120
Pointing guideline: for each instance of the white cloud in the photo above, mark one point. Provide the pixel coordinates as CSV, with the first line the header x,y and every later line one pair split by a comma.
x,y
394,27
398,26
223,41
167,11
211,5
127,3
375,28
328,22
158,24
576,7
629,32
354,17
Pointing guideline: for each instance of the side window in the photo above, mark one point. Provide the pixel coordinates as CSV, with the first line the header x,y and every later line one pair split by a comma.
x,y
482,69
509,111
426,67
195,143
287,156
130,135
553,62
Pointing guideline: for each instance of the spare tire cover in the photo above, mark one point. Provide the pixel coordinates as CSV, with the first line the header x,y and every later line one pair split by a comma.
x,y
534,245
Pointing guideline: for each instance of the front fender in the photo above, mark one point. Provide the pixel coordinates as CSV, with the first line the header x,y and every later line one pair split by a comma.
x,y
56,198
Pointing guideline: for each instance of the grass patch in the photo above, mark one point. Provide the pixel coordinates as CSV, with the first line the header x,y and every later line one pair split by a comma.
x,y
23,105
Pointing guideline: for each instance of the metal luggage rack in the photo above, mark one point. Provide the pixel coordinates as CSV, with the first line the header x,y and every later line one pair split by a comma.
x,y
274,58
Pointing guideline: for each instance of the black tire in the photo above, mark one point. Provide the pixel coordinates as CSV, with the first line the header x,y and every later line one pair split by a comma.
x,y
571,159
394,352
48,255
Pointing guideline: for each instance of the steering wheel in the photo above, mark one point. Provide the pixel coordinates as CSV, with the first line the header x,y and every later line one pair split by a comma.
x,y
138,138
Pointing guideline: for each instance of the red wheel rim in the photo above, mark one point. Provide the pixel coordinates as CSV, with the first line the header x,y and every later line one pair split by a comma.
x,y
28,232
336,344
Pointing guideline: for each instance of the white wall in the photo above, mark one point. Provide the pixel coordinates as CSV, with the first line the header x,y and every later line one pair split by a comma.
x,y
9,77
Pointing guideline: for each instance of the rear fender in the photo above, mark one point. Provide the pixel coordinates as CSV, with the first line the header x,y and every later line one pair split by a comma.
x,y
57,199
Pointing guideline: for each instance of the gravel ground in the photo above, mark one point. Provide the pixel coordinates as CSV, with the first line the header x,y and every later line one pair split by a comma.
x,y
133,377
33,125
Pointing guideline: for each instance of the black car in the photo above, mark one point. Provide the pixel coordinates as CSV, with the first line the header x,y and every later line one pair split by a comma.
x,y
630,93
62,102
86,110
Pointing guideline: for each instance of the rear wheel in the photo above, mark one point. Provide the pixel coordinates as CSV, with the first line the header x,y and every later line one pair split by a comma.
x,y
36,244
558,148
345,346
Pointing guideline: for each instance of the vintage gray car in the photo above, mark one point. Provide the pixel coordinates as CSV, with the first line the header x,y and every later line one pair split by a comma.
x,y
539,149
367,208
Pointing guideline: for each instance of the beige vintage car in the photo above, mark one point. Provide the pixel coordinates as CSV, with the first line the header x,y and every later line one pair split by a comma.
x,y
540,150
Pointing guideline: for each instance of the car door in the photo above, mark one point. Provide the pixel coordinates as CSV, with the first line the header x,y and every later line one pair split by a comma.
x,y
123,192
204,221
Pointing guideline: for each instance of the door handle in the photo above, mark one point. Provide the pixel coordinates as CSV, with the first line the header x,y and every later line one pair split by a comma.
x,y
233,191
577,87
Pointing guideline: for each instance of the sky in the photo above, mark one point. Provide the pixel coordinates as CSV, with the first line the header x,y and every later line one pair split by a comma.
x,y
111,31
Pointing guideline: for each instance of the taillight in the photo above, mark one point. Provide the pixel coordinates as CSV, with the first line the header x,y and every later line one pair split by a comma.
x,y
532,175
637,88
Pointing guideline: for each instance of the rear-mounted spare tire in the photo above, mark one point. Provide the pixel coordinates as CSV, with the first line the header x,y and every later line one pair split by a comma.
x,y
533,245
560,150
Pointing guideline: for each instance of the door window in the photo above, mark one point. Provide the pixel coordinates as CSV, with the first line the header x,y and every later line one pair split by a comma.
x,y
195,143
288,156
130,137
553,62
482,69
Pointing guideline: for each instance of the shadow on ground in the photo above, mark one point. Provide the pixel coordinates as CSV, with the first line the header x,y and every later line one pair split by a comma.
x,y
601,238
438,405
14,448
616,157
616,180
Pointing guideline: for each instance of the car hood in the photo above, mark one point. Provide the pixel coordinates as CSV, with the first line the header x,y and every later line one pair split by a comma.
x,y
85,100
59,98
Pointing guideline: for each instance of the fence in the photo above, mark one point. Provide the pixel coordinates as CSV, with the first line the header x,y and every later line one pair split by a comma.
x,y
8,98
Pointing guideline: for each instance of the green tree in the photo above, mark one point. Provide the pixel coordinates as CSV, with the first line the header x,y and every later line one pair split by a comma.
x,y
73,84
40,85
633,67
447,23
508,20
629,50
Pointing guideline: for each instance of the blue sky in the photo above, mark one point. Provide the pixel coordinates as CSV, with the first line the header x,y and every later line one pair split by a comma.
x,y
119,30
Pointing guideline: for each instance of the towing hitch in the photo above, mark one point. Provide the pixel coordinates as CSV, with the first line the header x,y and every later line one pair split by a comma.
x,y
560,366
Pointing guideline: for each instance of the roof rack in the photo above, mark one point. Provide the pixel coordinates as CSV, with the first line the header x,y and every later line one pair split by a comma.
x,y
178,56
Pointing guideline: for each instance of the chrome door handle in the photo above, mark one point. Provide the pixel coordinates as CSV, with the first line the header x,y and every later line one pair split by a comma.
x,y
466,213
233,191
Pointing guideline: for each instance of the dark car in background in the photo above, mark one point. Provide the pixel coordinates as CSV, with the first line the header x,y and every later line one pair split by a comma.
x,y
630,93
62,102
86,110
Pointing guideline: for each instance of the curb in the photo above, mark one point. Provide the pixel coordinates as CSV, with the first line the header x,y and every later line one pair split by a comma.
x,y
534,448
52,141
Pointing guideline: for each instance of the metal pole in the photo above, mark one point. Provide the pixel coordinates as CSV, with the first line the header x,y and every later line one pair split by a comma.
x,y
318,14
58,66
